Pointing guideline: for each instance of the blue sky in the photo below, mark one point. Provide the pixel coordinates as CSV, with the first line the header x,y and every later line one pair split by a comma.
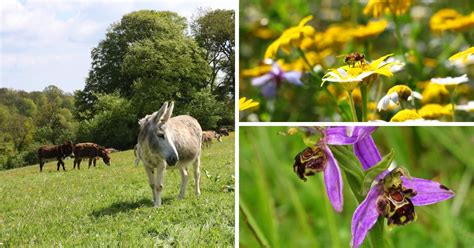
x,y
49,42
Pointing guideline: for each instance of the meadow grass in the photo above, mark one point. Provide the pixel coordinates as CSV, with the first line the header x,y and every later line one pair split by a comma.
x,y
279,209
112,206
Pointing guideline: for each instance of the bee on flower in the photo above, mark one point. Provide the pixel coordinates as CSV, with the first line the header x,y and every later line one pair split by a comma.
x,y
355,73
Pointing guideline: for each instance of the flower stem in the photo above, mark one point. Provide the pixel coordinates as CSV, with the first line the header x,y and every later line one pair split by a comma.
x,y
376,234
398,34
452,94
363,93
353,110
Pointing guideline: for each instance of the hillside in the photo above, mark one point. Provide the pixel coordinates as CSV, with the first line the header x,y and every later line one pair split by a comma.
x,y
112,206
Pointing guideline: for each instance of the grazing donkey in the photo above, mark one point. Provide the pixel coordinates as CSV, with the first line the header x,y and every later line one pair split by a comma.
x,y
54,152
91,151
169,143
207,137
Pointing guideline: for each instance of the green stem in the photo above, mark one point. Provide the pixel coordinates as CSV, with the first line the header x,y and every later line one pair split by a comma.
x,y
363,93
252,225
399,38
452,95
303,55
352,104
376,234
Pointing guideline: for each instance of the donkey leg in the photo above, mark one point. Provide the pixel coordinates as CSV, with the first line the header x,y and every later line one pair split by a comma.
x,y
41,166
79,164
160,175
59,164
197,175
184,182
90,162
62,163
151,181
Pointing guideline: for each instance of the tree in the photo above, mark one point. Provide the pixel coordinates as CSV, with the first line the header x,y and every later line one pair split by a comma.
x,y
114,125
107,74
165,70
214,31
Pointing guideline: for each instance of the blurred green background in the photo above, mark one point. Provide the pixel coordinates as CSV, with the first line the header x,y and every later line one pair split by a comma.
x,y
284,211
262,21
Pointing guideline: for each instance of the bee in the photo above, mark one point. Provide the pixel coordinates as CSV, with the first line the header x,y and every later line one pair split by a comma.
x,y
351,59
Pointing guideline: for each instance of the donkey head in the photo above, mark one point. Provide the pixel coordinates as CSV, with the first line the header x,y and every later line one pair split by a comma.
x,y
163,138
104,154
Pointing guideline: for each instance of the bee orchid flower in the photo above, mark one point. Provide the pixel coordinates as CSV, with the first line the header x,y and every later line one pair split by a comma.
x,y
321,159
394,197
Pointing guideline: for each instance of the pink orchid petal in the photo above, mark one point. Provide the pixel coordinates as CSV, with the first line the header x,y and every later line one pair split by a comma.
x,y
341,136
365,217
333,181
427,191
367,152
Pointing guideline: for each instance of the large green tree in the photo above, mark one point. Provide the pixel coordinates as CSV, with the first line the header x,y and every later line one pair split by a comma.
x,y
214,30
131,38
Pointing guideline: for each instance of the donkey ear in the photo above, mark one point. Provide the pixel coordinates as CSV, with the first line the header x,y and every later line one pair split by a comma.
x,y
160,114
168,112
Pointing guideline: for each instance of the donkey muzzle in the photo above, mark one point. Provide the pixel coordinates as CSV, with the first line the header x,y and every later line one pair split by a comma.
x,y
172,160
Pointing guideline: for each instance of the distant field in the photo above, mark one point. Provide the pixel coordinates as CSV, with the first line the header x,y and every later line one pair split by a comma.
x,y
112,206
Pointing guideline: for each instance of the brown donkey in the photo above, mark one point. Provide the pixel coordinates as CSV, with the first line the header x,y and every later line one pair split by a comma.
x,y
91,151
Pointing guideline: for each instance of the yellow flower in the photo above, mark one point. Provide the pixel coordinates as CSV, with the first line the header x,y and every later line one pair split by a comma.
x,y
372,29
406,115
435,93
379,7
334,37
435,111
463,56
291,37
351,76
245,104
395,94
450,19
256,71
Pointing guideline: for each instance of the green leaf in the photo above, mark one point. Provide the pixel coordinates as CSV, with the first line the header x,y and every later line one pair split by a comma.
x,y
375,170
348,162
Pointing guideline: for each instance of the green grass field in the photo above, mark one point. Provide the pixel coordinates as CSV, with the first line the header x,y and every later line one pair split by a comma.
x,y
280,210
112,206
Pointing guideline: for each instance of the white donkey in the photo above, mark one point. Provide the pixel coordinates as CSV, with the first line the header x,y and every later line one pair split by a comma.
x,y
173,143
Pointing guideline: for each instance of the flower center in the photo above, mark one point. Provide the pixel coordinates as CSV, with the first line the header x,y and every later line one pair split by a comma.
x,y
394,203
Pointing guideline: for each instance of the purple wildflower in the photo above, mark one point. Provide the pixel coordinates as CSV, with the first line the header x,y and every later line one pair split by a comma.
x,y
273,79
394,197
321,158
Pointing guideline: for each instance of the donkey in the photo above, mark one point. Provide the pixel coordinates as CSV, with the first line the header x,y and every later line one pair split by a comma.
x,y
169,143
208,136
91,151
54,152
